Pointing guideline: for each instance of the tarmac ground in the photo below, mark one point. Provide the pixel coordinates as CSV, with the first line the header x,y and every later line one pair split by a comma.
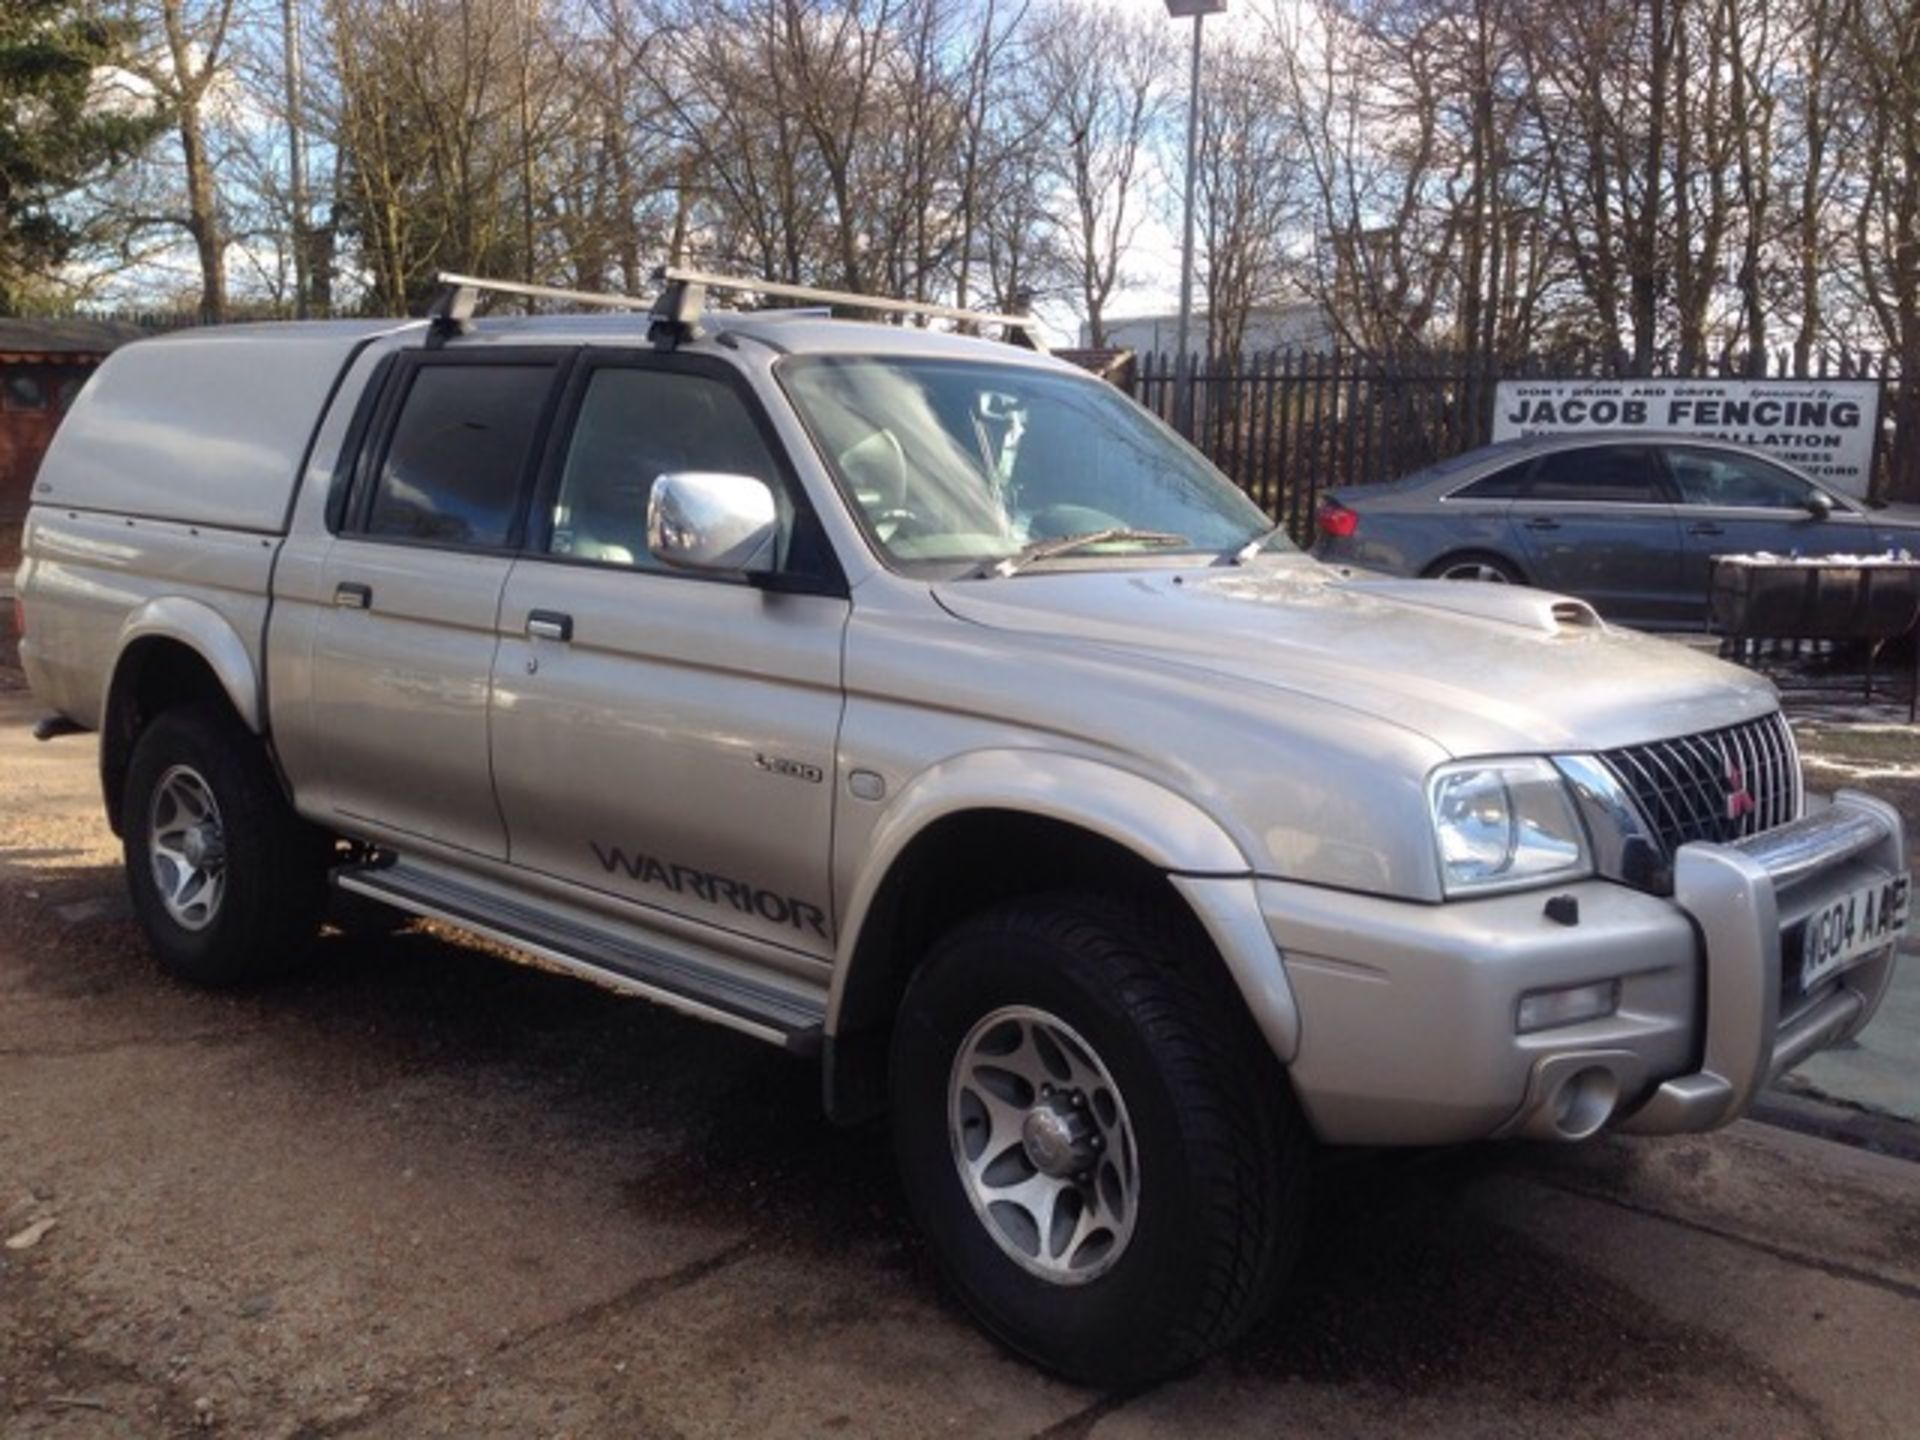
x,y
424,1191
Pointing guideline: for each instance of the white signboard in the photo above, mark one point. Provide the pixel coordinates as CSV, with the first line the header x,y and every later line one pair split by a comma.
x,y
1825,427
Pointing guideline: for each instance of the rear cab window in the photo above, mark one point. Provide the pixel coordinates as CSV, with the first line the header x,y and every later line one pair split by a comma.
x,y
456,453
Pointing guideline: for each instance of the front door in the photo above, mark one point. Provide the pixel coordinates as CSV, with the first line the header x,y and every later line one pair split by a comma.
x,y
403,655
1596,524
1733,503
663,739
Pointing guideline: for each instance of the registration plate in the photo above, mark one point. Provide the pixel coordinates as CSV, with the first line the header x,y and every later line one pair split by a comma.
x,y
1857,923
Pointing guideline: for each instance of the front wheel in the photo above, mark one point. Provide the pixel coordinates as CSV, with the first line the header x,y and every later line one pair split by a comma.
x,y
1109,1173
227,882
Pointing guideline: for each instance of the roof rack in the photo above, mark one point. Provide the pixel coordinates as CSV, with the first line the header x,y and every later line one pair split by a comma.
x,y
676,314
685,296
452,310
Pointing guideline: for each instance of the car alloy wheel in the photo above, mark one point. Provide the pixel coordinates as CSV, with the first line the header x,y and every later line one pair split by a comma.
x,y
187,848
1043,1144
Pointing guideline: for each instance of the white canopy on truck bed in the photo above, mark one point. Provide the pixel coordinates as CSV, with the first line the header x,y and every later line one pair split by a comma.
x,y
203,426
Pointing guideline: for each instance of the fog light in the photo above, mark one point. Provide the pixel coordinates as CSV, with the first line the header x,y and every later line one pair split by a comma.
x,y
1549,1009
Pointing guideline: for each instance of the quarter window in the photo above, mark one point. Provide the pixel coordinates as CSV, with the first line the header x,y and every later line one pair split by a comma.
x,y
451,475
1507,484
1618,473
1729,479
636,425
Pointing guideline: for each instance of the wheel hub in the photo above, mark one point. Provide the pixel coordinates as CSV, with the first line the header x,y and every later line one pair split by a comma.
x,y
203,847
1058,1137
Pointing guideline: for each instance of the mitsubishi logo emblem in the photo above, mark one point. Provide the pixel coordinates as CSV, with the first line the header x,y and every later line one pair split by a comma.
x,y
1740,800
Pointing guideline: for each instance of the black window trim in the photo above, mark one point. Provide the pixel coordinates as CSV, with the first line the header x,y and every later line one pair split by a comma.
x,y
372,456
350,465
537,535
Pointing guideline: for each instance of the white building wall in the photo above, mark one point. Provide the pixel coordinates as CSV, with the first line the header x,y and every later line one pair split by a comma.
x,y
1300,326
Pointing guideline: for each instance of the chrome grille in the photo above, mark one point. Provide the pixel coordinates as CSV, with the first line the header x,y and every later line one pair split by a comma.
x,y
1686,788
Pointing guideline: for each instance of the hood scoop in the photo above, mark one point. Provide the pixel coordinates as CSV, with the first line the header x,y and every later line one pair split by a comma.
x,y
1576,614
1530,609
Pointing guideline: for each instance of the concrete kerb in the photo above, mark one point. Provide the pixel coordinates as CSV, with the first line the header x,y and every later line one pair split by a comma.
x,y
1844,1124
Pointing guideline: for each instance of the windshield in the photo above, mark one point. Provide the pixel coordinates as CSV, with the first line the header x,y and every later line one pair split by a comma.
x,y
952,463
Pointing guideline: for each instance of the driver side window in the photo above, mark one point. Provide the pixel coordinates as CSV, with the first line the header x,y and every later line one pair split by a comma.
x,y
634,426
1727,479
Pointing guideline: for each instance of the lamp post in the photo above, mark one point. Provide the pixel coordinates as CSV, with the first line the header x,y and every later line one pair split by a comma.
x,y
1183,365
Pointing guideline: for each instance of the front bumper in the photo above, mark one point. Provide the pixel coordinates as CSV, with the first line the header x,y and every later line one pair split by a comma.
x,y
1408,1032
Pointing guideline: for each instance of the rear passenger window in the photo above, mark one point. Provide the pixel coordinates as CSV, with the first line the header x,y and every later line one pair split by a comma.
x,y
1620,473
451,475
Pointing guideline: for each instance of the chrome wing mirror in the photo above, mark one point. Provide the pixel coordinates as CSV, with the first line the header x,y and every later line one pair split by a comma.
x,y
708,521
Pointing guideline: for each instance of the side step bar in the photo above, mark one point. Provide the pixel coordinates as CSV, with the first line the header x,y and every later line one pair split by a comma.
x,y
595,953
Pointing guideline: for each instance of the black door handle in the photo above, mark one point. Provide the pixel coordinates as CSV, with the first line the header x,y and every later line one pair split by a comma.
x,y
352,595
549,625
1705,527
1542,522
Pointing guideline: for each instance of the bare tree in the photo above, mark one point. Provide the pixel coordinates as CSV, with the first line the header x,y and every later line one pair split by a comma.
x,y
1248,199
1096,89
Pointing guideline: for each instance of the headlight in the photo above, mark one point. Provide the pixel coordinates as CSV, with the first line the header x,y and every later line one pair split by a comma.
x,y
1503,825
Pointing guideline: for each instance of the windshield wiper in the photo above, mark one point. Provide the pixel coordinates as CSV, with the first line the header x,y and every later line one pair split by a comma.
x,y
1066,545
1241,554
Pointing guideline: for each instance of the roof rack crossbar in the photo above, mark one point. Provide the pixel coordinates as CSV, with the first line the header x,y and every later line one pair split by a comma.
x,y
541,292
676,312
746,285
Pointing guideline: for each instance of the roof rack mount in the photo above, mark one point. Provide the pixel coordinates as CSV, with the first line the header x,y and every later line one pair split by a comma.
x,y
677,311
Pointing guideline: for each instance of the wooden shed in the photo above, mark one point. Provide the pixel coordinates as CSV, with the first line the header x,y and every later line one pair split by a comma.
x,y
43,364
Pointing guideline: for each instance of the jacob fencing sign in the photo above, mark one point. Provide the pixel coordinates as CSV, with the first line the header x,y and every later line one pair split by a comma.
x,y
1826,427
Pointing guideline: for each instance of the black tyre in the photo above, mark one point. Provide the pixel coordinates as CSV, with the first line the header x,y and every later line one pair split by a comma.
x,y
1109,1170
1475,565
227,882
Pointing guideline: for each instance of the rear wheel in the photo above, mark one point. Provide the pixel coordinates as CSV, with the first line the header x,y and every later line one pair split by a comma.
x,y
1109,1172
227,882
1488,569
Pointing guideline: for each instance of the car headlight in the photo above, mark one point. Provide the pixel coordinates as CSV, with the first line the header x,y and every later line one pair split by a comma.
x,y
1504,825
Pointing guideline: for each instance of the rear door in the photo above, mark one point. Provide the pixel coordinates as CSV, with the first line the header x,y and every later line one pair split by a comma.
x,y
1597,523
1733,503
402,659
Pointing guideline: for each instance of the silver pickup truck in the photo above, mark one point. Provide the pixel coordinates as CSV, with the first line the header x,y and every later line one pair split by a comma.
x,y
921,705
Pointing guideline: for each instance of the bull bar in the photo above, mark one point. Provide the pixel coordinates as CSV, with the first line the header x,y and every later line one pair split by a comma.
x,y
1744,898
